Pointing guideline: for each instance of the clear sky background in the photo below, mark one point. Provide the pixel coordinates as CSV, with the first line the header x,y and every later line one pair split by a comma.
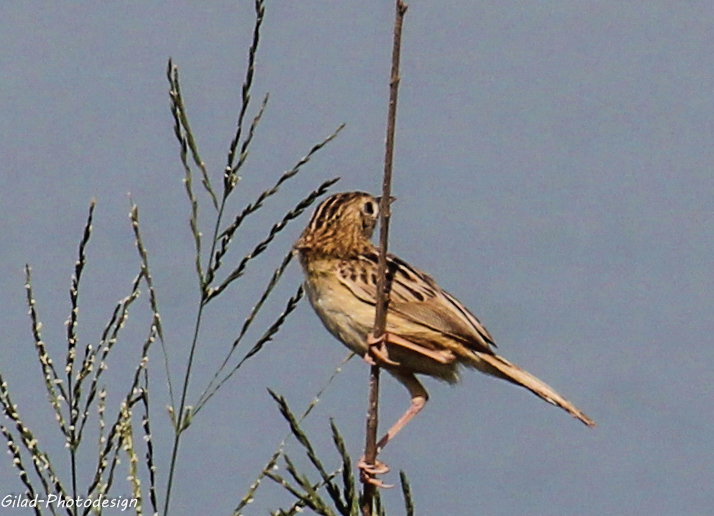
x,y
553,171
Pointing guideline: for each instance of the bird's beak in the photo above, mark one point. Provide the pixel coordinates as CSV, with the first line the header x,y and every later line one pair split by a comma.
x,y
391,199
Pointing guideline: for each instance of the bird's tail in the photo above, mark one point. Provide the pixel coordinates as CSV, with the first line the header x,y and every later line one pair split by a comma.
x,y
502,368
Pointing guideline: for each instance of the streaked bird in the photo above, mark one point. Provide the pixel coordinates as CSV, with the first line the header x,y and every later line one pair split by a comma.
x,y
428,331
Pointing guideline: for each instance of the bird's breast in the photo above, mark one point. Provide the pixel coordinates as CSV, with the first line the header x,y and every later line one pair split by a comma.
x,y
342,314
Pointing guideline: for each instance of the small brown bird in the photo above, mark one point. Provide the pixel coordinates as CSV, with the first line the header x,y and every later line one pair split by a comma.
x,y
428,330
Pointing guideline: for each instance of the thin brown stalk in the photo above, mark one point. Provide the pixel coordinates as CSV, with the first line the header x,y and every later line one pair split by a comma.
x,y
380,322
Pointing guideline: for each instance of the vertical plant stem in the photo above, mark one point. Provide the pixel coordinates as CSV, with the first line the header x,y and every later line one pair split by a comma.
x,y
380,322
182,414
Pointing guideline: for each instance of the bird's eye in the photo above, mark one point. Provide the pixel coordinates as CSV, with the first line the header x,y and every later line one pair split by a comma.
x,y
369,208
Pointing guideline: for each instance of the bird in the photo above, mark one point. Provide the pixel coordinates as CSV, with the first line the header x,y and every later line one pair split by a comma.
x,y
428,331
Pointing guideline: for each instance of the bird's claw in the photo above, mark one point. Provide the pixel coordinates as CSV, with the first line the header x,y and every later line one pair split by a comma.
x,y
369,472
377,353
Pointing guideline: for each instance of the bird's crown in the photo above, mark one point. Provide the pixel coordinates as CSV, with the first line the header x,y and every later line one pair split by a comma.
x,y
342,225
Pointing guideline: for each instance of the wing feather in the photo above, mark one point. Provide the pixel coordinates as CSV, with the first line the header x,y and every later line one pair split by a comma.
x,y
416,297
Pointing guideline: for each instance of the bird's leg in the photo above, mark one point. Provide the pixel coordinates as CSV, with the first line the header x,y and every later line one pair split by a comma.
x,y
419,399
445,356
377,353
369,472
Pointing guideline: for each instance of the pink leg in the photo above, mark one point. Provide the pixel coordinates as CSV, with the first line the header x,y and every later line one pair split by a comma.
x,y
368,472
378,353
419,399
444,356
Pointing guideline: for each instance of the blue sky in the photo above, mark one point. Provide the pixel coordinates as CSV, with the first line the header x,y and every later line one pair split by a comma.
x,y
553,171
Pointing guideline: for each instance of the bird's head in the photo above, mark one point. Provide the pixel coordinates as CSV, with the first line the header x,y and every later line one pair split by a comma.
x,y
341,226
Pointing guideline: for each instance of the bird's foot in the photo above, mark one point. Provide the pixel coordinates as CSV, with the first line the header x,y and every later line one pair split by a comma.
x,y
369,472
377,352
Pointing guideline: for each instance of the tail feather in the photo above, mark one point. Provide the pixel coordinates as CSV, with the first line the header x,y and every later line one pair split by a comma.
x,y
502,368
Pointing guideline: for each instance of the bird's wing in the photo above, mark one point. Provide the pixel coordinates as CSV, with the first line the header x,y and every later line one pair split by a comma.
x,y
416,297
